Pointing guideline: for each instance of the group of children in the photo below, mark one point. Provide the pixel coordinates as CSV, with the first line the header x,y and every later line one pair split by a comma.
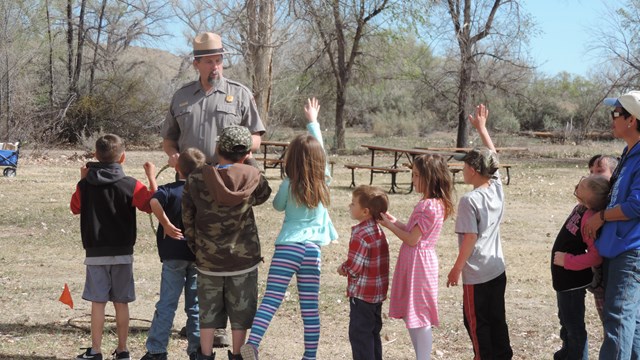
x,y
208,230
575,262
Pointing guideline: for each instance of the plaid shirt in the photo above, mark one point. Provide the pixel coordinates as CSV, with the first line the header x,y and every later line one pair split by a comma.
x,y
367,264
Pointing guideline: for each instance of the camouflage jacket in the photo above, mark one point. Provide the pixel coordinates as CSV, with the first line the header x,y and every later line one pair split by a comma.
x,y
218,216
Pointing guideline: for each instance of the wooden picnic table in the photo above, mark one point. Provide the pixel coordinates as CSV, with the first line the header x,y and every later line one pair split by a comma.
x,y
279,148
396,167
467,149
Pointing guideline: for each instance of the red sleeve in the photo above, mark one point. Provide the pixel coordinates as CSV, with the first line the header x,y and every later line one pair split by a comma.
x,y
75,201
588,259
358,254
141,197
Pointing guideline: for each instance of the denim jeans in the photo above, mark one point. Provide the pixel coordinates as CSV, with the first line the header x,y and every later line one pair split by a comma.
x,y
573,331
622,307
176,275
365,323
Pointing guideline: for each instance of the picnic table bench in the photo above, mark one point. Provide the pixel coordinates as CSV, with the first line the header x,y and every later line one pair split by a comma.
x,y
395,168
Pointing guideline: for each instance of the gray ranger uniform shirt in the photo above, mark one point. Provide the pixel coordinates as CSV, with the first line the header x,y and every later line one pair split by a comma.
x,y
194,117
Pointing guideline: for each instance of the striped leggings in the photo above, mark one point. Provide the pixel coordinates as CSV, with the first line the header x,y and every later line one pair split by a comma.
x,y
302,259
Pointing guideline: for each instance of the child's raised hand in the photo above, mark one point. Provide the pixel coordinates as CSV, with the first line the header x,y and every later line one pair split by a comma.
x,y
558,258
311,110
149,169
84,170
479,119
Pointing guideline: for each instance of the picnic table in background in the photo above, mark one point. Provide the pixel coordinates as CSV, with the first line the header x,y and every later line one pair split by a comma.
x,y
275,158
273,155
467,149
396,167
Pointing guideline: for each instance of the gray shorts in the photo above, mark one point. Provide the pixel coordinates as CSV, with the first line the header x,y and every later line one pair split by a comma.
x,y
233,296
106,283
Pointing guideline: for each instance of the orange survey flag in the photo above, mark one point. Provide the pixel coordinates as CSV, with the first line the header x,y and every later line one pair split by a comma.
x,y
65,298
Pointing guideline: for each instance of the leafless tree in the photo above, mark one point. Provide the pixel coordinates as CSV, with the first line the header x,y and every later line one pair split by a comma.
x,y
341,27
487,33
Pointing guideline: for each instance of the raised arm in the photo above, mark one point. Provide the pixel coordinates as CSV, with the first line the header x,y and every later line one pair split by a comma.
x,y
150,171
479,121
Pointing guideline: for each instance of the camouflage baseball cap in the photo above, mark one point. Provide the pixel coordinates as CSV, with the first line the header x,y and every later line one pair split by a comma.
x,y
481,159
235,139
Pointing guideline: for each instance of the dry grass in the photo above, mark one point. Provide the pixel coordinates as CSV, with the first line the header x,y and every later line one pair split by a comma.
x,y
40,250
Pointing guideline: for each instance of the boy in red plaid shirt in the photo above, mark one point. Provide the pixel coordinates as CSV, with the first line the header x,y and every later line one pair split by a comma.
x,y
367,272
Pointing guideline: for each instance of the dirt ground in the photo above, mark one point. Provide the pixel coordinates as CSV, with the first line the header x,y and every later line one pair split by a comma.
x,y
40,251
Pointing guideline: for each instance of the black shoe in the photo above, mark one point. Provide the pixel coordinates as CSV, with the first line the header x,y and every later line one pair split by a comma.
x,y
88,355
121,355
150,356
234,356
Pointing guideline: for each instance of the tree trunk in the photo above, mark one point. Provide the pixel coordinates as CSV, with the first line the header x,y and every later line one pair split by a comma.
x,y
70,44
463,87
81,37
50,56
341,100
260,17
92,70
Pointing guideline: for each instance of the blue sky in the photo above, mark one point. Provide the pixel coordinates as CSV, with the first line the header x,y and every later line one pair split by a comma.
x,y
564,33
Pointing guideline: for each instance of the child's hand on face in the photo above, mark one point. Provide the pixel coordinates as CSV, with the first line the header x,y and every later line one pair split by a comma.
x,y
311,110
340,271
558,258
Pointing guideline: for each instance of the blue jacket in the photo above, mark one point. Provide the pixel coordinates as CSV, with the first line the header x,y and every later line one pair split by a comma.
x,y
302,224
617,237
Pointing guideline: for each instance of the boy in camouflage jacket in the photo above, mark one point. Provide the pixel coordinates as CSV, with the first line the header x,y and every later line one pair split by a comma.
x,y
221,231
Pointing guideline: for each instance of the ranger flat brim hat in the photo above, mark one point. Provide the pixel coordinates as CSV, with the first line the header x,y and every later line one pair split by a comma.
x,y
207,44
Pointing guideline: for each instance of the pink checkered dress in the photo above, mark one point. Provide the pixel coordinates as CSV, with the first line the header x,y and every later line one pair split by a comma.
x,y
414,290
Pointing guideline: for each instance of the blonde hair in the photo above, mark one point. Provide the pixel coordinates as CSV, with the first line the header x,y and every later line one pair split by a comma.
x,y
435,180
304,164
598,186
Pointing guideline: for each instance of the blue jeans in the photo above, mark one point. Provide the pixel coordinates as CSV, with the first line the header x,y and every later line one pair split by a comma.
x,y
573,331
622,307
176,275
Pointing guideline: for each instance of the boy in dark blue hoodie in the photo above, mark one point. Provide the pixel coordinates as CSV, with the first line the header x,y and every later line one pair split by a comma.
x,y
106,200
178,264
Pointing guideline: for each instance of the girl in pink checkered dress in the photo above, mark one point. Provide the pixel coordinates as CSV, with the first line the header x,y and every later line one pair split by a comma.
x,y
414,290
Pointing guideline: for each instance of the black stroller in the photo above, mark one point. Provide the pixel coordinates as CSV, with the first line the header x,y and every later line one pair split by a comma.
x,y
9,158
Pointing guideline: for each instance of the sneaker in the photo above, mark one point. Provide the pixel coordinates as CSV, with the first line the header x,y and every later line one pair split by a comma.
x,y
233,356
220,338
193,356
120,355
249,352
160,356
88,355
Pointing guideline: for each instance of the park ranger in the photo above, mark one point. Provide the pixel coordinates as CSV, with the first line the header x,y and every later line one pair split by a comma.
x,y
202,108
